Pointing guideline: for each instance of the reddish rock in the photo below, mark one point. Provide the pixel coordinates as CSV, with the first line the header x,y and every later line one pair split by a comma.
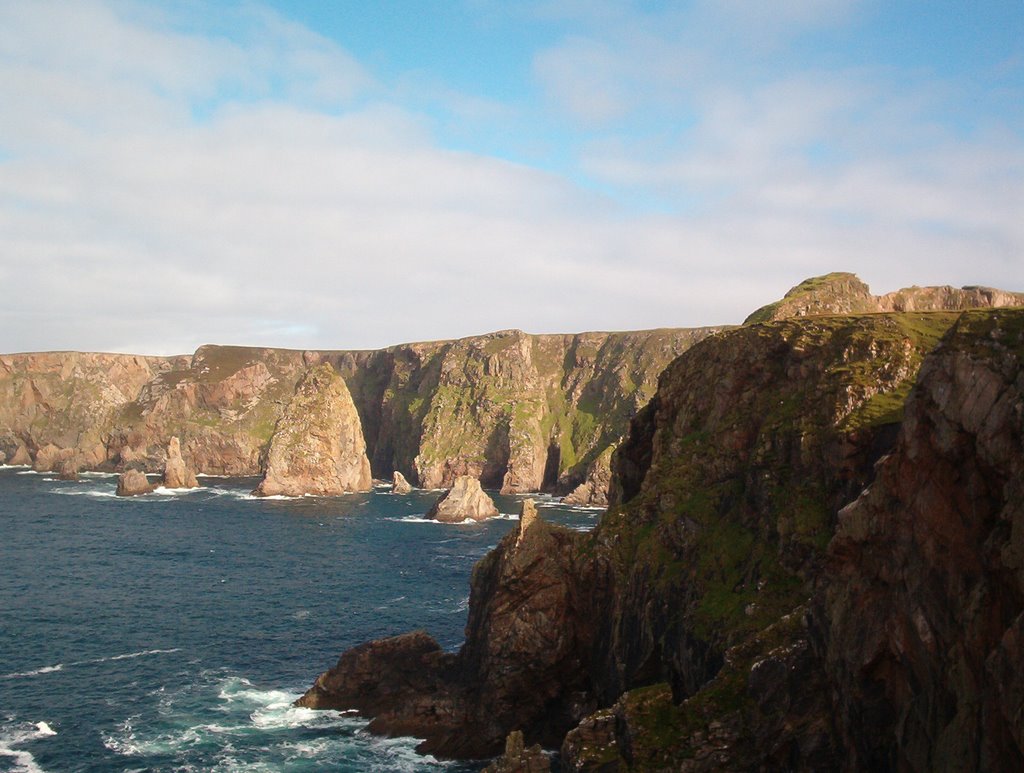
x,y
176,474
132,483
399,484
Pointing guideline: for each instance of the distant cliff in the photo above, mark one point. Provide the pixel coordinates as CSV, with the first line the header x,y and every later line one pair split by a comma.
x,y
521,412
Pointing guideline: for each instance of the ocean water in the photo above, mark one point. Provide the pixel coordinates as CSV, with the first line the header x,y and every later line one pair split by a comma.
x,y
173,631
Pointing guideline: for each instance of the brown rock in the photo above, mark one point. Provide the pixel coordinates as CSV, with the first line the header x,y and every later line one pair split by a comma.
x,y
69,468
50,457
132,483
399,484
465,500
176,474
593,492
317,446
20,457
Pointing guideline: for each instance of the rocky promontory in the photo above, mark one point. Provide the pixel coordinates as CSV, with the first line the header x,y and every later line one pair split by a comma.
x,y
465,500
730,611
317,446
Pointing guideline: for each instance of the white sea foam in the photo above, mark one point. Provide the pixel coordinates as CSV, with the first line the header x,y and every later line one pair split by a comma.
x,y
14,466
62,666
12,736
34,672
31,472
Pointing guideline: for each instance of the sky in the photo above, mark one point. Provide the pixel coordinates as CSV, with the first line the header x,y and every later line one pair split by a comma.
x,y
352,175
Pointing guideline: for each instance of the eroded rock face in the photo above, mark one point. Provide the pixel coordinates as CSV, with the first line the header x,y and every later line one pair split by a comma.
x,y
317,447
593,492
924,600
465,500
131,483
50,457
176,474
399,485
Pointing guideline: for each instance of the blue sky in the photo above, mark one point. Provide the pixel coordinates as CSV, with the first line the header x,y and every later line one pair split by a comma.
x,y
351,174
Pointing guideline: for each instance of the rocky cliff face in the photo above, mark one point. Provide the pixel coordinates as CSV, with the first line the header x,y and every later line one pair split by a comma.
x,y
521,412
317,446
711,622
923,603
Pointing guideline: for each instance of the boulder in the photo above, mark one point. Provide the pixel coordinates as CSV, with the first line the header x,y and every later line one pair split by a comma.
x,y
400,485
317,446
464,500
132,483
68,469
176,474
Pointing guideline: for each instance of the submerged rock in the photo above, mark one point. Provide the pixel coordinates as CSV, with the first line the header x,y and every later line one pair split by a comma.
x,y
465,500
317,446
399,484
132,483
176,474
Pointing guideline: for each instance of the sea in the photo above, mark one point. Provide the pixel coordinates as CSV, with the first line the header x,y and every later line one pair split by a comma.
x,y
173,631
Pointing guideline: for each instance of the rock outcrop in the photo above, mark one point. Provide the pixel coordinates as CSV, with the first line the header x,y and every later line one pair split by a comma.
x,y
844,293
317,446
465,500
176,474
399,485
131,483
593,491
519,667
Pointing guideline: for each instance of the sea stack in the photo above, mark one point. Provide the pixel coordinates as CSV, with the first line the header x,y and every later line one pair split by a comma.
x,y
176,474
132,483
317,446
400,485
465,500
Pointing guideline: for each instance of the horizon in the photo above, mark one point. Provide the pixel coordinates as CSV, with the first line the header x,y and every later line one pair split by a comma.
x,y
305,174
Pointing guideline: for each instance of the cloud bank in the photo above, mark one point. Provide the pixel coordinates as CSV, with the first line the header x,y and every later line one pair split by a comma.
x,y
174,175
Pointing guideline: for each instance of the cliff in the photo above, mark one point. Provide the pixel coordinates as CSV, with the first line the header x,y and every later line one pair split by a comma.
x,y
317,446
520,412
711,621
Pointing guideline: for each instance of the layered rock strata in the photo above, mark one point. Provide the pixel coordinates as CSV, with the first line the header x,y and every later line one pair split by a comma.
x,y
464,501
317,446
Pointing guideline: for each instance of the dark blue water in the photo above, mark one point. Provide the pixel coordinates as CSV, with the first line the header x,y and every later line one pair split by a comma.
x,y
173,631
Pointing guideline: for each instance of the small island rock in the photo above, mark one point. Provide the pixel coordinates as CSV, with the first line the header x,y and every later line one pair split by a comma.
x,y
176,474
133,482
400,485
519,759
68,469
465,500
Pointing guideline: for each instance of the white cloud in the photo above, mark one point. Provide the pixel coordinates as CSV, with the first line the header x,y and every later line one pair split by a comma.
x,y
163,187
